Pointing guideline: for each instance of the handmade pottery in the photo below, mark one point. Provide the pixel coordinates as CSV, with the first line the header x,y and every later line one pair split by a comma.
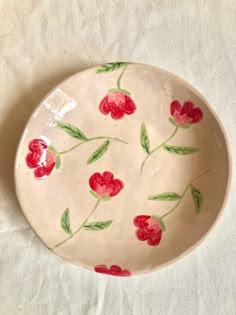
x,y
122,169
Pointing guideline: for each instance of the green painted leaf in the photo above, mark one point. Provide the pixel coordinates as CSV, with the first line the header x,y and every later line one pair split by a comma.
x,y
162,224
107,67
94,194
125,92
144,139
107,198
73,131
65,221
180,150
58,161
99,152
52,149
168,196
156,217
113,90
97,226
171,119
197,198
186,126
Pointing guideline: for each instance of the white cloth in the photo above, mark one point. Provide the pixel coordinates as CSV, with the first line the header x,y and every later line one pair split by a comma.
x,y
43,42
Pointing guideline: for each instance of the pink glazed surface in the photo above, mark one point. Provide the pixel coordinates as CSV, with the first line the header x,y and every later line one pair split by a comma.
x,y
155,199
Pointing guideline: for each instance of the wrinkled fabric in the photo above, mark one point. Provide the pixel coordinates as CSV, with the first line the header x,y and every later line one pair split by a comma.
x,y
42,43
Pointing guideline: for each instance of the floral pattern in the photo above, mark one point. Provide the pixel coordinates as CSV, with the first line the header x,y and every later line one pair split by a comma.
x,y
118,104
186,114
114,270
182,117
40,159
105,185
149,229
44,158
118,101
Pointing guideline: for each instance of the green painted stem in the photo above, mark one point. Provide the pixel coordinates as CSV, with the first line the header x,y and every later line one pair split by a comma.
x,y
81,226
157,148
120,76
183,194
91,139
71,149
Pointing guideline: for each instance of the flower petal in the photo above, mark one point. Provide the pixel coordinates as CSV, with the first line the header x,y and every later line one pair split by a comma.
x,y
94,179
104,106
187,108
114,270
37,148
116,185
33,159
142,234
116,112
182,119
197,115
141,220
37,145
42,171
107,177
129,106
117,271
154,239
154,225
116,99
101,269
50,160
175,106
103,190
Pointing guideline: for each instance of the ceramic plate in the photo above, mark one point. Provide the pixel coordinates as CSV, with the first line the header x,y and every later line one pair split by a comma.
x,y
122,168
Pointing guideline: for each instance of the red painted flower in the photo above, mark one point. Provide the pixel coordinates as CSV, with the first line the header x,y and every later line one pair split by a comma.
x,y
105,185
40,158
149,229
185,114
118,104
113,270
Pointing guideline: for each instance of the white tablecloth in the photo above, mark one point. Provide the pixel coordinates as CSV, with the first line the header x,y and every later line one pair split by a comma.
x,y
43,42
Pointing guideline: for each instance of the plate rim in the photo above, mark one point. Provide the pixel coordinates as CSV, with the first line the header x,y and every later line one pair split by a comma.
x,y
191,248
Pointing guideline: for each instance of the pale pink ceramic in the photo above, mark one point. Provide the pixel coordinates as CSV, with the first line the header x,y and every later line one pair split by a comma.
x,y
122,168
